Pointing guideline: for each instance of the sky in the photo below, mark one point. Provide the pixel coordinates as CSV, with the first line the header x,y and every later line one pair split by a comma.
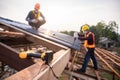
x,y
64,14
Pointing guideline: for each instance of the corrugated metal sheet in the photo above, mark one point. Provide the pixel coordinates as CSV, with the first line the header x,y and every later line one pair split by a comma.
x,y
57,37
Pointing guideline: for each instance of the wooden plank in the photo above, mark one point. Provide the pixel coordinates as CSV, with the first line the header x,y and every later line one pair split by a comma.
x,y
49,44
10,56
72,63
58,66
18,34
4,27
104,54
56,37
39,72
113,56
37,39
81,76
117,74
100,69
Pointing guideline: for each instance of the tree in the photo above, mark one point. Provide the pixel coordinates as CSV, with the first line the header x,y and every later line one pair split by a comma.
x,y
68,32
104,30
100,28
113,27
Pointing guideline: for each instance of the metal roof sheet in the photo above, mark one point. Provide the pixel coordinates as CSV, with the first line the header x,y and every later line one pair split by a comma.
x,y
54,36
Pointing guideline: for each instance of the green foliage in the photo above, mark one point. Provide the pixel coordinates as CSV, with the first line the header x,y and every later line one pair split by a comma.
x,y
118,52
107,76
68,32
100,27
104,30
96,32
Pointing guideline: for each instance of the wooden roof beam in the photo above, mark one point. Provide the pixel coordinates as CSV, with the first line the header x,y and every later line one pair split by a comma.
x,y
43,72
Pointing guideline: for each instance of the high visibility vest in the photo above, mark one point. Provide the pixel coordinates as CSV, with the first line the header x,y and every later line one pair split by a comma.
x,y
86,44
36,15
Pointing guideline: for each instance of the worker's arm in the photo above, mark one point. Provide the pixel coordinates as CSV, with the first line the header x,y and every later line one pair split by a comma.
x,y
43,21
87,38
80,35
42,16
28,17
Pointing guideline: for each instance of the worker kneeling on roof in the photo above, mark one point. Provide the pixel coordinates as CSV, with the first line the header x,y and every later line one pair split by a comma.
x,y
34,16
89,43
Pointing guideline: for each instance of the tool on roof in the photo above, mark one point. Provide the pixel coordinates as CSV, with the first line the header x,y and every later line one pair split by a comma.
x,y
45,56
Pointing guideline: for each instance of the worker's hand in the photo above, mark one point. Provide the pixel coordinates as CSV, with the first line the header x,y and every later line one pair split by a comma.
x,y
34,20
75,35
81,38
75,38
44,21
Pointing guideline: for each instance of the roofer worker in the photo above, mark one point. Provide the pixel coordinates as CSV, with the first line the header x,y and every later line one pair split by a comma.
x,y
34,16
89,42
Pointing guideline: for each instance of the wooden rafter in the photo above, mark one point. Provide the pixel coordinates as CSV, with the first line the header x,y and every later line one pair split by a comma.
x,y
11,33
106,63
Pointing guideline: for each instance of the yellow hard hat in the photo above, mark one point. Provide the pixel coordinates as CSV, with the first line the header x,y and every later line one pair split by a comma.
x,y
85,27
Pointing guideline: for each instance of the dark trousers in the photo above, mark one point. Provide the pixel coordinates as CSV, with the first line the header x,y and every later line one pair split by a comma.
x,y
37,25
90,54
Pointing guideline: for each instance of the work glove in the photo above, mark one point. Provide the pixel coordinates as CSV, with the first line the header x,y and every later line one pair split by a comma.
x,y
44,21
79,38
34,20
75,35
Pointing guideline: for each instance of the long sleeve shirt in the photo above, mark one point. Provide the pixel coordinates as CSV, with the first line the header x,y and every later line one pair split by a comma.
x,y
89,38
31,16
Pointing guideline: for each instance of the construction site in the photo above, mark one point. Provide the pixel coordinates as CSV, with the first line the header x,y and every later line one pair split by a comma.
x,y
53,55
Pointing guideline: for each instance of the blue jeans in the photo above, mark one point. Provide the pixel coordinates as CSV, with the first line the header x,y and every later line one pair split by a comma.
x,y
89,54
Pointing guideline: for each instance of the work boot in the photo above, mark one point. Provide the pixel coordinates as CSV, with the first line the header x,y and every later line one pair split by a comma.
x,y
81,71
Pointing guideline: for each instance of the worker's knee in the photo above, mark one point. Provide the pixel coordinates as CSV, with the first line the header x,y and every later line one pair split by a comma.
x,y
42,22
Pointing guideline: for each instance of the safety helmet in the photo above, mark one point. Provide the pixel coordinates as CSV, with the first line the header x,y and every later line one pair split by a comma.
x,y
85,27
37,6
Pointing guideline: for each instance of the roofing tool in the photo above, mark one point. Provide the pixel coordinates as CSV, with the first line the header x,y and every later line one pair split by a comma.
x,y
45,56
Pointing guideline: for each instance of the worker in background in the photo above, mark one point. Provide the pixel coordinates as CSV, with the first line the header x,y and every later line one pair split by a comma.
x,y
34,16
89,43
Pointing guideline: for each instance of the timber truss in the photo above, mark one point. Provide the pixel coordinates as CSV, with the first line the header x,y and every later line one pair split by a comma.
x,y
16,37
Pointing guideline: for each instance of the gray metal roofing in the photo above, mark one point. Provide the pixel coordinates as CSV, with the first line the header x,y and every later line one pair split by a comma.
x,y
54,36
